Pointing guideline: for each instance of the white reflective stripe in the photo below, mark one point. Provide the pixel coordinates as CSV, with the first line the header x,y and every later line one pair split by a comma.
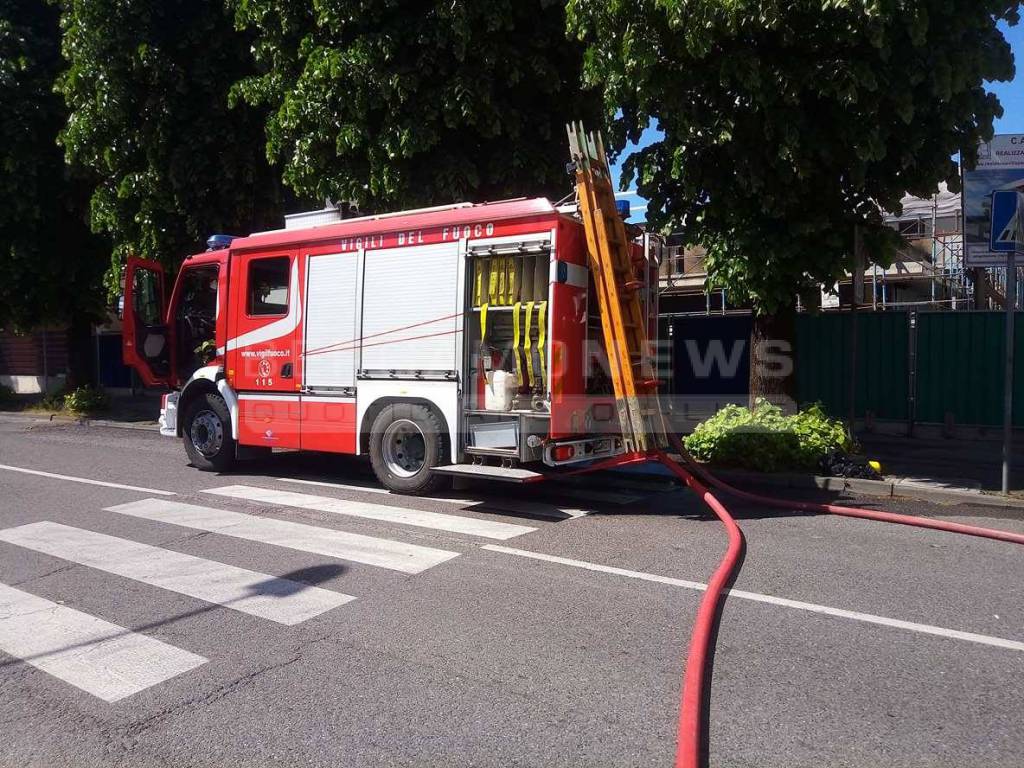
x,y
383,553
268,597
286,396
101,658
451,523
278,328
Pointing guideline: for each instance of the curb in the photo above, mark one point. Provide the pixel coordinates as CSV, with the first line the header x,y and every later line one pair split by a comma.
x,y
892,488
144,426
895,488
42,418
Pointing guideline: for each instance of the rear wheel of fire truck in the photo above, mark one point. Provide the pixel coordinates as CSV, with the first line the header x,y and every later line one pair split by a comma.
x,y
406,442
207,432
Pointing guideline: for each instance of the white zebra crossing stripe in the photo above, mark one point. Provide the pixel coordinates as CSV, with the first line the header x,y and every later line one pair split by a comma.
x,y
383,553
370,489
504,503
402,515
101,658
268,597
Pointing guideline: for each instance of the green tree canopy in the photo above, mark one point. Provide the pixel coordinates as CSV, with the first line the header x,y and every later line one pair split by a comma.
x,y
147,83
787,122
393,103
50,263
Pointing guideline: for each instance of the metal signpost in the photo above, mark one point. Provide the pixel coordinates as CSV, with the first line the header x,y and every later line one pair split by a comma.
x,y
1006,237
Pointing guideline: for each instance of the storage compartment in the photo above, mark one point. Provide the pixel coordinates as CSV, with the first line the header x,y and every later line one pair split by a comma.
x,y
508,324
410,317
495,434
516,437
330,339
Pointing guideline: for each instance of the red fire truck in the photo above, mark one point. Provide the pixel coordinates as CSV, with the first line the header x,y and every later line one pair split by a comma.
x,y
457,340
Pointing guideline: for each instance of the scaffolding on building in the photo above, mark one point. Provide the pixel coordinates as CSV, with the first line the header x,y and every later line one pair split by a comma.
x,y
928,271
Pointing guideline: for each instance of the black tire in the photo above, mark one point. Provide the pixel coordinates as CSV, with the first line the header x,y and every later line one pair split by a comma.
x,y
207,433
426,450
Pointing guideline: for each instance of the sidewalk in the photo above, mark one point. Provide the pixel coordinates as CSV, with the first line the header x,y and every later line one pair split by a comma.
x,y
139,411
955,471
938,461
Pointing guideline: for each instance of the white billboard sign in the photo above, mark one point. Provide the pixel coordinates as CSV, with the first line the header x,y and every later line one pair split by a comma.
x,y
1000,167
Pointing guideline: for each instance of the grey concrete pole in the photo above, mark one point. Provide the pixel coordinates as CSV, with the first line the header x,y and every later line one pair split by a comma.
x,y
1011,305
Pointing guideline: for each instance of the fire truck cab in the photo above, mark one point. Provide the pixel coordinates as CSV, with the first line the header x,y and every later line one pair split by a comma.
x,y
458,340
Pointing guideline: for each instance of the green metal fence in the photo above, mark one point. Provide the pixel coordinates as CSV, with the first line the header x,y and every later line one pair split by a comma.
x,y
950,362
823,360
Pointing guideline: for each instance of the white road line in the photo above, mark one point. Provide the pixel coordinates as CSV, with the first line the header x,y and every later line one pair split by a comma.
x,y
86,480
383,553
757,597
101,658
405,516
258,594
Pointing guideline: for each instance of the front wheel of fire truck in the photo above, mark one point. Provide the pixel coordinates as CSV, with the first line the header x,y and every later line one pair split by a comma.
x,y
406,442
207,432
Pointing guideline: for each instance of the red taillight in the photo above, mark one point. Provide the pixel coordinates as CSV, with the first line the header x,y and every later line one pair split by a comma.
x,y
163,401
563,452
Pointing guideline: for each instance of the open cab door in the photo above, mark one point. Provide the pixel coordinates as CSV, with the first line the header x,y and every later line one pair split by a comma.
x,y
147,341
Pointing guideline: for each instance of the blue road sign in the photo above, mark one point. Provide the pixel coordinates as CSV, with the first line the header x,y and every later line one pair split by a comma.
x,y
1007,220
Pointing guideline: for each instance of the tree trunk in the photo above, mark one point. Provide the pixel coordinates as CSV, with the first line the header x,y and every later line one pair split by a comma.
x,y
81,352
772,357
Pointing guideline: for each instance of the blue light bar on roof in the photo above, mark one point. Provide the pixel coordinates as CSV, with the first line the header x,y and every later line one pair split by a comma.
x,y
218,242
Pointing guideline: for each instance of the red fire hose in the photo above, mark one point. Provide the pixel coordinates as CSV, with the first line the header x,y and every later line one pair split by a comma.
x,y
692,711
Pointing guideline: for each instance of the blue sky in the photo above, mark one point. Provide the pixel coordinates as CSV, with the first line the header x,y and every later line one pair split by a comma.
x,y
1010,94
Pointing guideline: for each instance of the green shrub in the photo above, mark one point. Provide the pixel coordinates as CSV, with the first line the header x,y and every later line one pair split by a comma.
x,y
763,438
86,400
52,401
7,396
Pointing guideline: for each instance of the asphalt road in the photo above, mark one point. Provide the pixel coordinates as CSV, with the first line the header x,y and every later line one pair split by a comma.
x,y
482,644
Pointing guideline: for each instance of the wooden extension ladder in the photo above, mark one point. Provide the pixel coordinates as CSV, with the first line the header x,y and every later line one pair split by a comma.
x,y
623,322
